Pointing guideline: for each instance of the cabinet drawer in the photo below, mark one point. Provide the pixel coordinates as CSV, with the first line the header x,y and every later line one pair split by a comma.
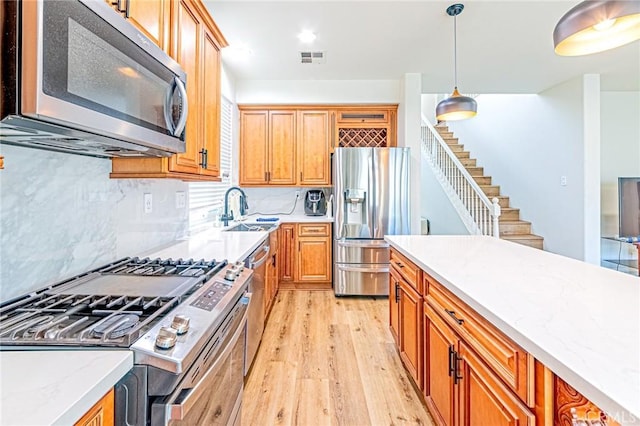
x,y
379,116
508,360
313,230
410,272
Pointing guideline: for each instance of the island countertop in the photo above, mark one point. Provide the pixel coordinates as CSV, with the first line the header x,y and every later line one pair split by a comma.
x,y
580,320
56,387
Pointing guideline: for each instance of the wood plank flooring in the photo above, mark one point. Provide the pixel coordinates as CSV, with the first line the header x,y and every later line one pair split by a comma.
x,y
329,361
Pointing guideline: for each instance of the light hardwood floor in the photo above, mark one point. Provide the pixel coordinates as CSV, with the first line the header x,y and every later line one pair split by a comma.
x,y
329,361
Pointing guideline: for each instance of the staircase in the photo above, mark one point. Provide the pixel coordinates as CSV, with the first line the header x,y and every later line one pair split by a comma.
x,y
511,227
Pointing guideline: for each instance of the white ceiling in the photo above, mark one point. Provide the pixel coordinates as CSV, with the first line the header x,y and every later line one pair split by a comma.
x,y
503,46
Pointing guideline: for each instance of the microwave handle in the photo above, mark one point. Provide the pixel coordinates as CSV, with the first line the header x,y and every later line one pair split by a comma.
x,y
182,121
168,119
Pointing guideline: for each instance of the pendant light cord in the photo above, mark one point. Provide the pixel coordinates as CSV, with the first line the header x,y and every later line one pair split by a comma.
x,y
455,52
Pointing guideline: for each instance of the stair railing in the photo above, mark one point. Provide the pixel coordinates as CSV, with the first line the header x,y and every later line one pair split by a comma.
x,y
479,214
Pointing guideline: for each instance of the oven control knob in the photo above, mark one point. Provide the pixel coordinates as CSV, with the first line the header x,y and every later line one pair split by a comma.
x,y
166,338
180,324
230,275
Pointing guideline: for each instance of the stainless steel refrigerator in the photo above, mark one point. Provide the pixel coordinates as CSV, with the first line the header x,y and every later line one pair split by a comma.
x,y
371,190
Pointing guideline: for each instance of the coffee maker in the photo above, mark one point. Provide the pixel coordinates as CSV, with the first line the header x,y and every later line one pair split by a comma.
x,y
314,203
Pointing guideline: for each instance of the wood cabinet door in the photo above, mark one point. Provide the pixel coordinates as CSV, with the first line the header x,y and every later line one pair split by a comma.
x,y
314,259
189,30
441,342
101,414
313,148
254,142
394,304
484,400
211,105
410,313
151,17
286,253
282,147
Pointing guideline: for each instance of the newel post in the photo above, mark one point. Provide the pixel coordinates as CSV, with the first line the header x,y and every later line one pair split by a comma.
x,y
495,217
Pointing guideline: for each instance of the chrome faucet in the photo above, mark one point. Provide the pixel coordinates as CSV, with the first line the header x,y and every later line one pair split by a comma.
x,y
227,216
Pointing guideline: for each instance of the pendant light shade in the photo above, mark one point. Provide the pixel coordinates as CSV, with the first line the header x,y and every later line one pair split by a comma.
x,y
596,26
457,106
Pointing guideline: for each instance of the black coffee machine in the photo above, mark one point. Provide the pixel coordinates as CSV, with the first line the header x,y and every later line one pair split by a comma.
x,y
314,203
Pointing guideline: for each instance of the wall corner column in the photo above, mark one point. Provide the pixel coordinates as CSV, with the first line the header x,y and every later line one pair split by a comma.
x,y
591,132
409,119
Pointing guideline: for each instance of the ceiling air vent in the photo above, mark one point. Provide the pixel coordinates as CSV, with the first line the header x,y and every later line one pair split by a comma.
x,y
313,57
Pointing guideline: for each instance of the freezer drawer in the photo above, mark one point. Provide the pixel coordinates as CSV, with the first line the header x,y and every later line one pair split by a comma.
x,y
361,251
361,279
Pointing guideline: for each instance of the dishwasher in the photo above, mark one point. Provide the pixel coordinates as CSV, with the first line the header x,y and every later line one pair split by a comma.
x,y
255,321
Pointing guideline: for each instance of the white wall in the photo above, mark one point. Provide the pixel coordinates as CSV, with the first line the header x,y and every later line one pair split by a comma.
x,y
436,207
526,143
61,215
620,151
409,136
317,91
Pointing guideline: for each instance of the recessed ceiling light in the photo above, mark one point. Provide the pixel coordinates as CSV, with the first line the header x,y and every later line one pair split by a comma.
x,y
237,52
306,36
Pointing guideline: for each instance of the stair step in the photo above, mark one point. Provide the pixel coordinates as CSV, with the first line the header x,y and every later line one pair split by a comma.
x,y
516,227
450,141
468,162
475,171
462,154
456,148
491,190
503,201
530,240
444,133
508,214
482,180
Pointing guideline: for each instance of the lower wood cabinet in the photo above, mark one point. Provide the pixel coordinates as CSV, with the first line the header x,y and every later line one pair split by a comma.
x,y
406,319
101,414
305,255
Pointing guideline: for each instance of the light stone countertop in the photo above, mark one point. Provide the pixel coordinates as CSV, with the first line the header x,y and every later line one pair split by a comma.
x,y
56,387
580,320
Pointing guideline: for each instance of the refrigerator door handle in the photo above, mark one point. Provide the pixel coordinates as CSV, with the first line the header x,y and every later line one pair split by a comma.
x,y
372,199
374,269
371,244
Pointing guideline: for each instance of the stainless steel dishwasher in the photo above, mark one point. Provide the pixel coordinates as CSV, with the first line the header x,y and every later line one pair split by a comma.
x,y
255,321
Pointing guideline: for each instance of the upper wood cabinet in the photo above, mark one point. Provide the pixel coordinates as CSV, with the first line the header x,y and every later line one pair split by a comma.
x,y
267,147
195,44
271,140
313,148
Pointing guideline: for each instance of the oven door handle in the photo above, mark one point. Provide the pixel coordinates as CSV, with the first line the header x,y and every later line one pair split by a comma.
x,y
179,411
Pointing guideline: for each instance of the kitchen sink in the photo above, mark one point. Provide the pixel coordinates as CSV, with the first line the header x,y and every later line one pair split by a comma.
x,y
249,227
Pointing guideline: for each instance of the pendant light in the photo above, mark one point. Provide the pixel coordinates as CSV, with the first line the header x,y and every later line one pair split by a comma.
x,y
457,106
596,26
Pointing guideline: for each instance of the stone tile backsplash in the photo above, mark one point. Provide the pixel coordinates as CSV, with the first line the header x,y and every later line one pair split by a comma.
x,y
61,215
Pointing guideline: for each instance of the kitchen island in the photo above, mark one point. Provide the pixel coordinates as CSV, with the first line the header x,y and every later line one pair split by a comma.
x,y
580,321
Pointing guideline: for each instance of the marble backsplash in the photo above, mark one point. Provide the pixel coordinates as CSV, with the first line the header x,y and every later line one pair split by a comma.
x,y
61,215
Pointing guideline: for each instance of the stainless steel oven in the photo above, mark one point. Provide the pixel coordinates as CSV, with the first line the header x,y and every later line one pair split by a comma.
x,y
77,77
211,395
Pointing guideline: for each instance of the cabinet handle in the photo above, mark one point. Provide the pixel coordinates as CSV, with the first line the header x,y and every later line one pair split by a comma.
x,y
203,158
400,264
452,354
298,245
452,314
268,176
456,376
300,176
117,4
397,292
126,9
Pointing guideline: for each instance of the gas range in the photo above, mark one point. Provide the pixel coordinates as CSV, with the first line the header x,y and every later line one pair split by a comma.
x,y
163,309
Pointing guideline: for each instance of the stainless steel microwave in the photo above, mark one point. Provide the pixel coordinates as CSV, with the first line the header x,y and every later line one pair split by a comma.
x,y
77,77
